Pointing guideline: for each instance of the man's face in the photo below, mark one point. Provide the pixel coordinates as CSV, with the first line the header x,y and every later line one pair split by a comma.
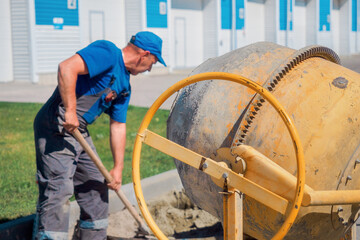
x,y
145,63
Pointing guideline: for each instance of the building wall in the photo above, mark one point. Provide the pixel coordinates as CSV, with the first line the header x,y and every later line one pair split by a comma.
x,y
157,19
192,30
344,27
225,26
255,23
311,22
56,36
352,26
284,29
335,23
299,24
210,27
21,40
98,20
54,46
93,21
6,60
324,29
357,49
187,32
134,18
270,20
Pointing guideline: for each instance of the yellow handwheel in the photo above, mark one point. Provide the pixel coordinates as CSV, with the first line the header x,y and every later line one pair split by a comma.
x,y
243,81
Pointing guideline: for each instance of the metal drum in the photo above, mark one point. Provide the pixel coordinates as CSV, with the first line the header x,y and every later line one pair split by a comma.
x,y
322,98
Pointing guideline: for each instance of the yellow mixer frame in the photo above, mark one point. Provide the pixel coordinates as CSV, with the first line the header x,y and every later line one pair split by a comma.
x,y
216,170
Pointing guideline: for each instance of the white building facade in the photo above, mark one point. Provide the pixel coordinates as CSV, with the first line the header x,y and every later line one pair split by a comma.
x,y
38,34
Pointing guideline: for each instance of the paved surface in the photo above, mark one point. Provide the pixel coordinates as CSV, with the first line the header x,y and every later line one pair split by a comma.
x,y
146,88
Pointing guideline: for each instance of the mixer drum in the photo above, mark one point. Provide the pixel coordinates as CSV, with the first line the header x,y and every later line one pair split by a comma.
x,y
320,96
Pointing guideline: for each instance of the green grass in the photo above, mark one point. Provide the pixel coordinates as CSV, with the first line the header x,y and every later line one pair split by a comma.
x,y
18,189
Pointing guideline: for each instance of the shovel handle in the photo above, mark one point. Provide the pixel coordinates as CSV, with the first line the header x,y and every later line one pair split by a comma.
x,y
142,227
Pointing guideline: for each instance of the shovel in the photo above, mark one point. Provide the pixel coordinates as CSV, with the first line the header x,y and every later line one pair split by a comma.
x,y
143,229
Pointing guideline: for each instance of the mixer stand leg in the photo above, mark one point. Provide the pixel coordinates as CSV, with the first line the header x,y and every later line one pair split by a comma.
x,y
233,215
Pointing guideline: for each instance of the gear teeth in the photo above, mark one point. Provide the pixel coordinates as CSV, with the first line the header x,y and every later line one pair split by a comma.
x,y
248,120
252,109
302,57
243,129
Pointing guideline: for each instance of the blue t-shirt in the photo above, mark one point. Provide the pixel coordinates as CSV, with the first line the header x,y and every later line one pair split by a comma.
x,y
107,75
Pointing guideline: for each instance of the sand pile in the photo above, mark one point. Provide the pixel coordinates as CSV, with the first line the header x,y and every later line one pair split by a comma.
x,y
175,215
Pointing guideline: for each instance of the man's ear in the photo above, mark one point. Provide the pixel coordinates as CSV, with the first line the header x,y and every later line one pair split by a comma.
x,y
146,53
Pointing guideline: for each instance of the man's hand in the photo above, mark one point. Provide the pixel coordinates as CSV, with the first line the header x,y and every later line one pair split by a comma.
x,y
116,173
117,144
71,121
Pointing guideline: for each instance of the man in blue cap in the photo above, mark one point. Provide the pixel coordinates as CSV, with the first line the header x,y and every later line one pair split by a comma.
x,y
94,80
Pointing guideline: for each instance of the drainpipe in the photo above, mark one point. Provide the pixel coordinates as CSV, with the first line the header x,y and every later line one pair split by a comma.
x,y
233,26
287,22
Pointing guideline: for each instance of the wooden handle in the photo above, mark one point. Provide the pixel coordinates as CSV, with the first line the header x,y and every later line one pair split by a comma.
x,y
142,227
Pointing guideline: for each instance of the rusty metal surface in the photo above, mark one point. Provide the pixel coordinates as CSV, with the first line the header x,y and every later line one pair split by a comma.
x,y
321,97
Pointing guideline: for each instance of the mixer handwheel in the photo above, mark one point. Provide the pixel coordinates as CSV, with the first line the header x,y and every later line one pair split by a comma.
x,y
214,169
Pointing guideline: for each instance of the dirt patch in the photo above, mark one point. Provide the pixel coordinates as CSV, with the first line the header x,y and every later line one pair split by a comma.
x,y
175,215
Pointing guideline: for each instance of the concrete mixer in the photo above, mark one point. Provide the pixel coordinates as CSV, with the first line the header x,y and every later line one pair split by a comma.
x,y
266,139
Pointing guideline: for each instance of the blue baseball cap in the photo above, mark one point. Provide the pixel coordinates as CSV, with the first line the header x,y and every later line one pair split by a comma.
x,y
149,41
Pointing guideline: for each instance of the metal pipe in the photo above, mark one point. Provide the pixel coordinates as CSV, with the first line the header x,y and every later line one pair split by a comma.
x,y
334,197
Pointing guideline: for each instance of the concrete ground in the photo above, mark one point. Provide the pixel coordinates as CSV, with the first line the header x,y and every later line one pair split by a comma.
x,y
146,88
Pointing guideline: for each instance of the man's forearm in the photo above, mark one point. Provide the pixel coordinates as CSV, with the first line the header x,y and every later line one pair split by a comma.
x,y
67,85
117,143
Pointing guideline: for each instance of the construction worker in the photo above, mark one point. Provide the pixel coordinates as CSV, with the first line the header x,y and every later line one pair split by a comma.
x,y
94,80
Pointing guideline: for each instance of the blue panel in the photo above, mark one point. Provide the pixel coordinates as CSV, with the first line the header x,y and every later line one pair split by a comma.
x,y
324,12
283,14
65,10
354,16
226,14
156,13
240,14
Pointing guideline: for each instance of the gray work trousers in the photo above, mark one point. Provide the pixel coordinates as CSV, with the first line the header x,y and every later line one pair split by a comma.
x,y
63,169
